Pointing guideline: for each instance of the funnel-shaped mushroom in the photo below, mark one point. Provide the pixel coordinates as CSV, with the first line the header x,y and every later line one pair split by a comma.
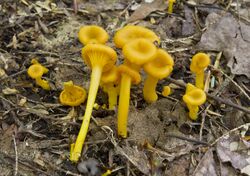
x,y
36,71
199,62
72,95
157,69
109,82
130,32
128,76
194,97
92,34
136,53
100,58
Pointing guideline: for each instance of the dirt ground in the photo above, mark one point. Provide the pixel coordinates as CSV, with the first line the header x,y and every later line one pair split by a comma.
x,y
36,130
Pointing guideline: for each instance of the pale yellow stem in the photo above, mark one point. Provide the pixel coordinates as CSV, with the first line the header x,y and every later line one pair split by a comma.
x,y
94,84
123,107
170,7
43,83
112,93
149,92
199,80
193,111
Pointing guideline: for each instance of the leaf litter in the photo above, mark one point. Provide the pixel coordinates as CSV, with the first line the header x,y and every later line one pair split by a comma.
x,y
162,140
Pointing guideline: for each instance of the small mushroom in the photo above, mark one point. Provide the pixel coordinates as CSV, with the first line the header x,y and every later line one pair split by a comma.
x,y
136,53
109,83
170,6
199,62
92,34
194,97
100,58
72,95
166,91
36,71
157,69
131,32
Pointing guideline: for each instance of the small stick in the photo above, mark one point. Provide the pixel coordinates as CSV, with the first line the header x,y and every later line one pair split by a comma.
x,y
187,139
218,99
16,158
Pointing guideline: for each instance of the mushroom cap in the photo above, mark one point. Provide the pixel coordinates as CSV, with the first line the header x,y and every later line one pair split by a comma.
x,y
135,76
98,54
92,34
139,51
131,32
35,71
161,66
194,96
110,76
72,95
199,62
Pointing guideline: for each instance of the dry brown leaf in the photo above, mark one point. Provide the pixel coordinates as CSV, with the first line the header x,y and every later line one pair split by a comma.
x,y
145,9
9,91
232,38
207,165
236,151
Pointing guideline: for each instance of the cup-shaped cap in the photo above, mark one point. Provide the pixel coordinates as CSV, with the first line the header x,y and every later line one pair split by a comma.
x,y
110,76
161,66
194,96
199,62
35,71
130,32
135,76
139,51
92,34
72,95
99,55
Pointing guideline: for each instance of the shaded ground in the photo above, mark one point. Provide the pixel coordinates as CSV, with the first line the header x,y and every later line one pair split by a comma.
x,y
36,131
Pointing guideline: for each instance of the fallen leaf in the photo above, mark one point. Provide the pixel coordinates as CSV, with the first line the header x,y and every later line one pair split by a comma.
x,y
232,149
207,165
9,91
232,38
145,9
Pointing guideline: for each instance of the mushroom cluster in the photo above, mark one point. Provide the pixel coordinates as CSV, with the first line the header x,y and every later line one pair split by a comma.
x,y
139,51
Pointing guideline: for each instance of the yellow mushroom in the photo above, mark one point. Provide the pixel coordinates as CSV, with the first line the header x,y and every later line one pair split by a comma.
x,y
194,97
100,58
136,53
72,95
170,6
166,91
36,71
131,32
92,34
157,69
109,83
199,62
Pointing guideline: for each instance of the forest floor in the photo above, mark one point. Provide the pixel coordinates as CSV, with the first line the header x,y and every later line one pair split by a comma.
x,y
36,130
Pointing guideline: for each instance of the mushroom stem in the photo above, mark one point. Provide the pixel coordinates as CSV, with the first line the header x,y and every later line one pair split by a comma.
x,y
112,92
123,107
193,111
149,89
43,83
199,80
94,84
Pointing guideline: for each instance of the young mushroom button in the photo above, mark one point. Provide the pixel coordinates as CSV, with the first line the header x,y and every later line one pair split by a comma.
x,y
92,34
157,69
130,33
100,58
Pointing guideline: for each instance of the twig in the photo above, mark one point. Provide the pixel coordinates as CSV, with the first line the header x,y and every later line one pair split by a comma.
x,y
218,99
231,131
187,139
16,154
